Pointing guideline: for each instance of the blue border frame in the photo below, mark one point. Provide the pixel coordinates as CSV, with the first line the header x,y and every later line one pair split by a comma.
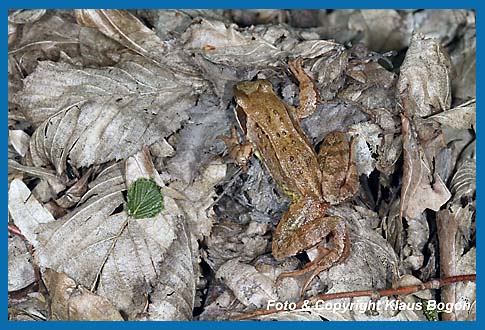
x,y
396,4
218,4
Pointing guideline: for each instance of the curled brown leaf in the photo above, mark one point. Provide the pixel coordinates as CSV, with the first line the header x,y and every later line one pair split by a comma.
x,y
421,189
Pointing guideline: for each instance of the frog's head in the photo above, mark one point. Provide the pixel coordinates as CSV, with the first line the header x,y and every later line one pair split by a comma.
x,y
246,90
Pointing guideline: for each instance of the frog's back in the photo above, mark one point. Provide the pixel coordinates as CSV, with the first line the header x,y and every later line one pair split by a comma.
x,y
284,149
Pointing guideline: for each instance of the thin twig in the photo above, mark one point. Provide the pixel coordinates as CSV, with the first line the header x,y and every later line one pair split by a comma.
x,y
405,290
13,229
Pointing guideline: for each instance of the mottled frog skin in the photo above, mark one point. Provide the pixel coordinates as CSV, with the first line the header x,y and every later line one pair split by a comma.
x,y
313,182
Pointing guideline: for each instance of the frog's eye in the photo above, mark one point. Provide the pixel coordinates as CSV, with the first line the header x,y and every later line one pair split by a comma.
x,y
265,86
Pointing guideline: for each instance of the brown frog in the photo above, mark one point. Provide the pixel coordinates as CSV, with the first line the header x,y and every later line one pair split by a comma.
x,y
313,182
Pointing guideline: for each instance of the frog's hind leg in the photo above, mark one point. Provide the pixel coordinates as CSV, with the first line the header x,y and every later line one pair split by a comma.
x,y
325,259
309,97
333,257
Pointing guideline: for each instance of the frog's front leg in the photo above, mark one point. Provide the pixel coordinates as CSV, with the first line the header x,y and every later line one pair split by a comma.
x,y
308,94
239,152
305,226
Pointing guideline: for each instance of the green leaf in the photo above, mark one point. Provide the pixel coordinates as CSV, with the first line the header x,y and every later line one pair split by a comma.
x,y
145,200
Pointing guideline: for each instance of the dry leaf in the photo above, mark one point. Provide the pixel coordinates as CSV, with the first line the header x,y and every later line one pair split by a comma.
x,y
454,262
71,301
20,269
382,30
122,26
250,287
57,37
421,189
221,307
133,105
26,212
461,117
464,182
109,251
371,85
464,58
466,292
26,16
125,28
33,308
367,140
229,240
173,297
195,148
198,199
123,84
442,25
19,140
424,84
331,62
413,251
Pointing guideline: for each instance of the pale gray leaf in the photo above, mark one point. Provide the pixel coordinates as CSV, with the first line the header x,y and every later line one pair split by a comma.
x,y
23,16
249,286
19,140
99,248
26,212
20,269
464,58
464,183
367,140
70,301
173,297
442,25
169,24
463,203
380,29
196,146
460,117
226,45
424,84
198,198
123,27
466,292
132,105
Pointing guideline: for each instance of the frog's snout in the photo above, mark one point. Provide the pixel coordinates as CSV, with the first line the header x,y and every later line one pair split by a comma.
x,y
245,87
249,88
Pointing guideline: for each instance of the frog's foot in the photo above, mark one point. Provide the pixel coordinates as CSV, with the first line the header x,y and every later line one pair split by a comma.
x,y
325,258
308,92
239,152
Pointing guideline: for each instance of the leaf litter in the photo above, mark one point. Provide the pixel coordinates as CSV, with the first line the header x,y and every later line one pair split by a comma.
x,y
105,103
